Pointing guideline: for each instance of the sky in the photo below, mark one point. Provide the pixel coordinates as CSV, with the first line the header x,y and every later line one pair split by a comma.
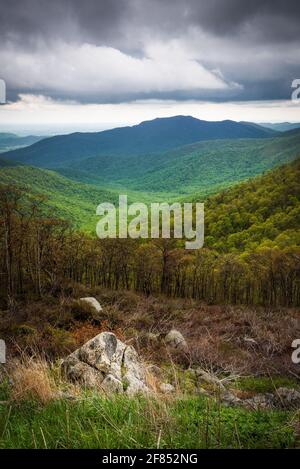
x,y
97,64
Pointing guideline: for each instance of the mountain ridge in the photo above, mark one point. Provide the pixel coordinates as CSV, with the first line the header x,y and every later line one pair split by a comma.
x,y
160,134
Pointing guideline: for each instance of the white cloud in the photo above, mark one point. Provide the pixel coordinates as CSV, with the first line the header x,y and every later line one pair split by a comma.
x,y
35,113
89,69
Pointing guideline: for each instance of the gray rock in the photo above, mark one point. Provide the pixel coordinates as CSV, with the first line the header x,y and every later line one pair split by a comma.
x,y
91,301
288,398
229,399
107,363
260,401
176,340
112,385
167,388
204,376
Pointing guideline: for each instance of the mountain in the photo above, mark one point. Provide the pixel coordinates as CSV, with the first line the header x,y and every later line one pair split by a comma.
x,y
69,200
202,167
208,166
9,141
282,126
148,137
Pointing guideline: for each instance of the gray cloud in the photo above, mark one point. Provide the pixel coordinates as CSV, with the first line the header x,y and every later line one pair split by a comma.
x,y
254,44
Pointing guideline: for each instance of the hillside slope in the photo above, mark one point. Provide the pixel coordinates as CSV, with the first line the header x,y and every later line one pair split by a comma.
x,y
264,211
207,166
69,200
151,136
202,167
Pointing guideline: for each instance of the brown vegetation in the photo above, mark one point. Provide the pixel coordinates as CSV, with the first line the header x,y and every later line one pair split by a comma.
x,y
221,338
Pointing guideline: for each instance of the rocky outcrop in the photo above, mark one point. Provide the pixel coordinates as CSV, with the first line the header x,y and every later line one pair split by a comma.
x,y
107,363
286,398
176,340
91,301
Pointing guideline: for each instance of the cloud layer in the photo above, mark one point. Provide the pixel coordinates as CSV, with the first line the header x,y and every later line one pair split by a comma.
x,y
118,50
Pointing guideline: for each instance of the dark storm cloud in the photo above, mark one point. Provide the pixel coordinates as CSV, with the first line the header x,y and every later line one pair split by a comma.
x,y
130,26
112,20
29,21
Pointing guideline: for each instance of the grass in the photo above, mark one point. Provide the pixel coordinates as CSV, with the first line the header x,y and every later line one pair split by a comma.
x,y
95,421
265,384
40,409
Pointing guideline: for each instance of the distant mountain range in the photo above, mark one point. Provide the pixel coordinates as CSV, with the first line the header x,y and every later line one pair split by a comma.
x,y
9,141
282,126
148,137
164,159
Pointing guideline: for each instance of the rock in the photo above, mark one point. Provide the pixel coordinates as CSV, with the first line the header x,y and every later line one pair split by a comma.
x,y
229,399
110,384
260,401
167,388
176,340
288,398
107,363
90,300
78,371
208,378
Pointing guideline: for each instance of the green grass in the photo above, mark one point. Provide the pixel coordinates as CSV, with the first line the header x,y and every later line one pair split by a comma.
x,y
120,422
265,384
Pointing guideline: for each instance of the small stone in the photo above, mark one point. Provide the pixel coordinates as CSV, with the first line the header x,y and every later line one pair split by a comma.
x,y
208,378
91,301
176,340
167,388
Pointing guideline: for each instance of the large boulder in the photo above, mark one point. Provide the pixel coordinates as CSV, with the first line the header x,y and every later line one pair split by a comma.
x,y
91,301
107,363
176,340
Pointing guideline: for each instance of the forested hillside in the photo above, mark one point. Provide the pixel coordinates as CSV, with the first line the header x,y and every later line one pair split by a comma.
x,y
203,167
209,166
74,202
251,253
262,212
